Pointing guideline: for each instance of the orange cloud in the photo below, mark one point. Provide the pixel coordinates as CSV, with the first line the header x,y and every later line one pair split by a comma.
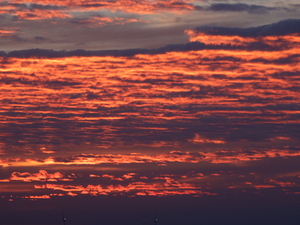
x,y
260,186
6,33
3,163
94,175
282,184
42,175
198,71
129,175
37,14
280,138
217,39
171,157
116,102
216,174
38,197
128,6
162,185
199,139
254,155
196,193
5,180
102,21
292,40
168,187
112,177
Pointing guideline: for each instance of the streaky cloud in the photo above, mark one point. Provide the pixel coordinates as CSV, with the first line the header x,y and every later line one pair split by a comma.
x,y
200,39
126,52
239,7
190,46
284,27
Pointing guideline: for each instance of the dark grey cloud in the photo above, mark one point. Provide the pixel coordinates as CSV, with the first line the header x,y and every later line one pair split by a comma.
x,y
283,60
45,7
80,52
190,46
284,27
39,39
239,7
95,5
2,54
81,21
32,6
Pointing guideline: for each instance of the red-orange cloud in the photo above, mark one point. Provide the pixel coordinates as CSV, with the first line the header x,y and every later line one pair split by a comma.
x,y
171,157
169,187
65,8
42,176
284,41
6,33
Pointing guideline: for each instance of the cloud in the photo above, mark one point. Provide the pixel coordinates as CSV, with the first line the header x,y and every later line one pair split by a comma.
x,y
42,176
281,28
272,37
239,7
34,11
199,139
38,14
141,7
163,187
127,52
19,5
245,95
260,186
39,39
190,46
37,197
40,6
7,33
97,21
147,181
252,99
162,184
27,11
216,157
63,8
282,184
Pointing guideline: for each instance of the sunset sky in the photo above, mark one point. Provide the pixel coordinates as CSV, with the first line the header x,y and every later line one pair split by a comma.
x,y
119,112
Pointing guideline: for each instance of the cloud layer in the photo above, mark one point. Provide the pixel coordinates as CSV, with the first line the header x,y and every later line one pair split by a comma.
x,y
285,27
211,118
65,25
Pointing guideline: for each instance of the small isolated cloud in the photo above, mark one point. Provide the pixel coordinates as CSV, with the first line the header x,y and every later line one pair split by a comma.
x,y
199,139
39,39
7,33
261,186
97,21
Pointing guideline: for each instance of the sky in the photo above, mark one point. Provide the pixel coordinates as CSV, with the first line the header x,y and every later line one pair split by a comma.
x,y
121,112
